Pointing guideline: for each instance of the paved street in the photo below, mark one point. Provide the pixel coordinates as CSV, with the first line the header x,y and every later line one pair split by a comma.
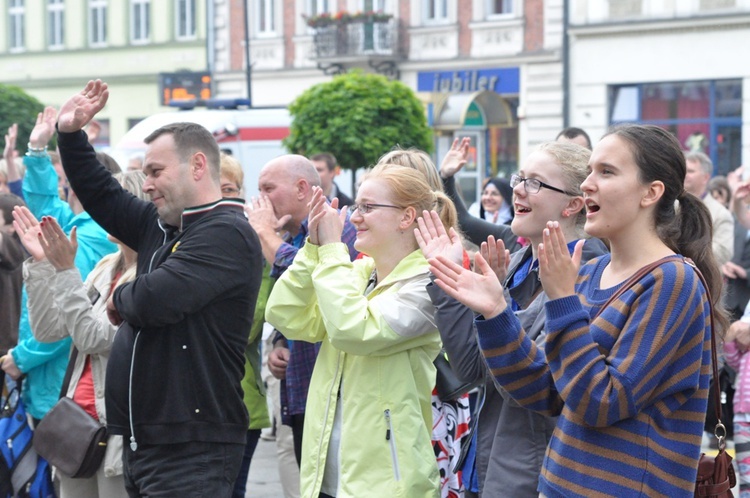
x,y
263,481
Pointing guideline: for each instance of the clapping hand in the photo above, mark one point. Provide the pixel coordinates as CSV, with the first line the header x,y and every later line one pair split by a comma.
x,y
558,270
82,107
28,230
60,251
325,222
497,257
435,241
482,292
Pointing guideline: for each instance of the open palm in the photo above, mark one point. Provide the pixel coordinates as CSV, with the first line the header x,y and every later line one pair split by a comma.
x,y
82,107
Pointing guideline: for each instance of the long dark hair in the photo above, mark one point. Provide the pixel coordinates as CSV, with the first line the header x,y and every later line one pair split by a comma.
x,y
689,229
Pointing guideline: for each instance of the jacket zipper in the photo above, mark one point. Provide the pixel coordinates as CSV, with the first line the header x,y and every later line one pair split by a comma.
x,y
133,442
325,420
390,436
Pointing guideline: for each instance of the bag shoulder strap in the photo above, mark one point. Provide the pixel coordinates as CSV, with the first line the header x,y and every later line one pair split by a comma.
x,y
714,360
69,371
637,276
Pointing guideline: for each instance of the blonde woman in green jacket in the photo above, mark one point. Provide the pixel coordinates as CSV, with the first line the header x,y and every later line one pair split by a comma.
x,y
369,418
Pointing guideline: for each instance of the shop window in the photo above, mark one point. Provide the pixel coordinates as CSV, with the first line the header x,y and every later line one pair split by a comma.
x,y
625,8
624,104
675,101
728,99
704,115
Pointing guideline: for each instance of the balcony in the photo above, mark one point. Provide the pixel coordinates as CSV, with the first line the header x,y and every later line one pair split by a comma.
x,y
338,46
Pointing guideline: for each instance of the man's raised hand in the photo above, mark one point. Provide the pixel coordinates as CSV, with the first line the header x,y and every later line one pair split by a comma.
x,y
82,107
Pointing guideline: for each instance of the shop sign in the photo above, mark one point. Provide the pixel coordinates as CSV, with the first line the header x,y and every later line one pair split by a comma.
x,y
499,80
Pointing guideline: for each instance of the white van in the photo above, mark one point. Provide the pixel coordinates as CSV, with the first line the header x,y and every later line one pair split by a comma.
x,y
253,136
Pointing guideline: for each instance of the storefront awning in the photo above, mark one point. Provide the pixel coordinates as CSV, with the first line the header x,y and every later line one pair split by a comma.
x,y
455,111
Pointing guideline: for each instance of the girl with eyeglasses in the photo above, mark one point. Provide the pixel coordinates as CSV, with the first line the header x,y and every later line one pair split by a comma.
x,y
368,417
547,187
628,379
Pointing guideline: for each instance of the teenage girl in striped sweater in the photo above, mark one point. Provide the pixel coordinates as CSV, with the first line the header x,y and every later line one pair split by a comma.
x,y
631,385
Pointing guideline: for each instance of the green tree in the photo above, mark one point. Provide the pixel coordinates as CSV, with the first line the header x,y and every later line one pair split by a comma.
x,y
357,117
16,106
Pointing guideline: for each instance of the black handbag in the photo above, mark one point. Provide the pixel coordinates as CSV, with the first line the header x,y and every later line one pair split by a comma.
x,y
69,438
449,386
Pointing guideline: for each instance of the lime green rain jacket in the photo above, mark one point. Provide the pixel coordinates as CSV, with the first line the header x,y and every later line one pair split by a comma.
x,y
375,360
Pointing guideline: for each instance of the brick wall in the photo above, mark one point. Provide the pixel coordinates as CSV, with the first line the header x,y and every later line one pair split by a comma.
x,y
289,15
464,33
534,27
404,17
236,35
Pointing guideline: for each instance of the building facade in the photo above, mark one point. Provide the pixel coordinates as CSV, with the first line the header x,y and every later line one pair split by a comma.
x,y
51,48
488,69
673,63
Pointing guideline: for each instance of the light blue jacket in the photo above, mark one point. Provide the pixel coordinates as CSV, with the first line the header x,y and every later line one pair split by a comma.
x,y
44,363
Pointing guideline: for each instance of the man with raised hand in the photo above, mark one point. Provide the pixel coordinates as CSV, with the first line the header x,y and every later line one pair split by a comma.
x,y
173,379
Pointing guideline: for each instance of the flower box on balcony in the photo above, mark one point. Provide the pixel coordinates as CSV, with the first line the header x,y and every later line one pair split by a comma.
x,y
342,18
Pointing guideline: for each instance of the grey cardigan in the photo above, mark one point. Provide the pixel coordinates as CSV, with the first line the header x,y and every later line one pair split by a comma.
x,y
511,440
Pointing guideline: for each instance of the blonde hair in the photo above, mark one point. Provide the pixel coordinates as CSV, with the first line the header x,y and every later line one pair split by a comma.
x,y
132,181
409,188
232,169
573,161
414,159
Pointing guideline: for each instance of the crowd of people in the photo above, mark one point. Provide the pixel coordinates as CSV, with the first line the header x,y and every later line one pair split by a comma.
x,y
165,296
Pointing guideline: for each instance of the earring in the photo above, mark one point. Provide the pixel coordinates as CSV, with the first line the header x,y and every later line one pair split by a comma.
x,y
565,213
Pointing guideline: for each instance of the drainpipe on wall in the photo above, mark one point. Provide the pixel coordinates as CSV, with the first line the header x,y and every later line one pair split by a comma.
x,y
248,66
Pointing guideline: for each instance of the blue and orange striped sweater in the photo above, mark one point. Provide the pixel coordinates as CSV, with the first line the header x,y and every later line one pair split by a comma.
x,y
630,388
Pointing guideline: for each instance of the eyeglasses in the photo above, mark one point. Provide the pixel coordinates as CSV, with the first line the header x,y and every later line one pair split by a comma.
x,y
365,208
532,185
230,191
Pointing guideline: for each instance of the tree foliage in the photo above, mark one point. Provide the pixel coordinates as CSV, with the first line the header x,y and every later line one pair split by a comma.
x,y
357,117
16,106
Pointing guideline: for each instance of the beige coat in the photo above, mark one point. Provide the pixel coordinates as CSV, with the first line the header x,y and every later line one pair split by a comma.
x,y
60,306
723,224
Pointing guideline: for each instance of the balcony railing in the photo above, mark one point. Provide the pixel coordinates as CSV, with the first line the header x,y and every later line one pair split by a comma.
x,y
357,40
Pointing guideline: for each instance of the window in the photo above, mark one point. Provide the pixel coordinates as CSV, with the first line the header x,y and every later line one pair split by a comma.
x,y
140,21
97,23
317,7
704,115
499,7
185,19
265,17
55,23
16,17
436,10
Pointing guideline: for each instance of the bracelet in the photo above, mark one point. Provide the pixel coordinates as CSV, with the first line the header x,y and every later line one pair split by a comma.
x,y
36,152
